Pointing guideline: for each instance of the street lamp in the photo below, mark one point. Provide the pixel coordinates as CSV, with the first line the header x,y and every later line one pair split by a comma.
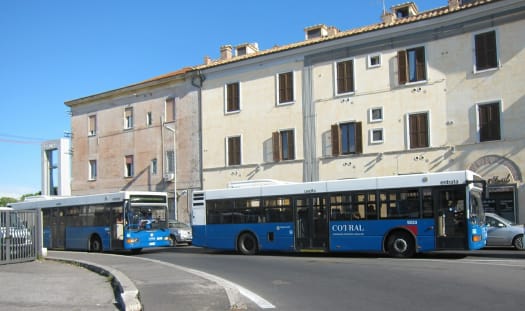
x,y
174,171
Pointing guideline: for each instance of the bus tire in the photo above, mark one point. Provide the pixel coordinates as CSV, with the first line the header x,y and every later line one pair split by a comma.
x,y
95,244
400,244
247,244
518,243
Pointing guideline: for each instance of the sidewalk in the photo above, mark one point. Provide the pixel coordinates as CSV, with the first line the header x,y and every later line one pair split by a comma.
x,y
66,281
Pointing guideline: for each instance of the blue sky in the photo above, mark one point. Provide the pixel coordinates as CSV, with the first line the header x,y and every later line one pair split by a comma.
x,y
58,50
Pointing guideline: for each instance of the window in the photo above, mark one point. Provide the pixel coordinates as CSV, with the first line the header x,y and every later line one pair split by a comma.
x,y
129,166
170,109
486,51
374,60
376,136
411,65
345,76
418,130
154,167
283,145
149,119
403,203
234,150
489,122
92,169
232,97
347,138
128,118
286,88
92,125
170,161
376,114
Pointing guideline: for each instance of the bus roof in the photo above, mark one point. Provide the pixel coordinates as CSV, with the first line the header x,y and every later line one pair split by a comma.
x,y
369,183
49,201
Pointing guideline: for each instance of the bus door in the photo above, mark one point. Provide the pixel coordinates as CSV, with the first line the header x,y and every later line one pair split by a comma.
x,y
117,226
450,217
311,223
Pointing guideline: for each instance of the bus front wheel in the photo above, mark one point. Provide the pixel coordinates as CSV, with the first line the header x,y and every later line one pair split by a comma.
x,y
400,244
95,245
247,244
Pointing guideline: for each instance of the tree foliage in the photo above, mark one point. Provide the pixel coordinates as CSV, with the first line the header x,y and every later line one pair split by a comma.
x,y
6,200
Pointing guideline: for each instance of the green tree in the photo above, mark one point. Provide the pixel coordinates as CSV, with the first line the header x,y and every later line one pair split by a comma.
x,y
6,200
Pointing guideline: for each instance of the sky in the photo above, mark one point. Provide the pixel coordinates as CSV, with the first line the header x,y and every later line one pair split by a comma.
x,y
54,51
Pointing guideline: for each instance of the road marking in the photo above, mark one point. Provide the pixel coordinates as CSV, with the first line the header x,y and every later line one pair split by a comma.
x,y
232,289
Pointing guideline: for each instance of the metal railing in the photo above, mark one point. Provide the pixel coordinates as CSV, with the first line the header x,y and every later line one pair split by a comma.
x,y
19,237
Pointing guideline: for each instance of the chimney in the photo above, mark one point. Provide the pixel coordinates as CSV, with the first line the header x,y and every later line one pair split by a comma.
x,y
319,31
226,52
246,48
453,4
207,60
388,18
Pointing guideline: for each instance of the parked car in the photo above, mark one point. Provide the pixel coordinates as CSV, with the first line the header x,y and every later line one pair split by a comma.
x,y
503,232
179,232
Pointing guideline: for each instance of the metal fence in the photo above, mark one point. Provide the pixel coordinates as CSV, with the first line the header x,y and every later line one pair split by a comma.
x,y
18,236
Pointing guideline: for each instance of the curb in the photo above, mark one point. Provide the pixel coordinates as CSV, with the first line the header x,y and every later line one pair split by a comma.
x,y
126,293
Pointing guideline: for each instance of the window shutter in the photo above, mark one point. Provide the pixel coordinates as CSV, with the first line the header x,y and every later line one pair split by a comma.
x,y
486,52
232,97
291,145
358,138
402,68
420,64
336,144
345,77
418,130
489,126
170,109
286,87
276,144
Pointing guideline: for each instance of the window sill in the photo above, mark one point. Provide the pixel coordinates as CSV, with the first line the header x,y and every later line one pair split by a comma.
x,y
476,72
285,104
232,112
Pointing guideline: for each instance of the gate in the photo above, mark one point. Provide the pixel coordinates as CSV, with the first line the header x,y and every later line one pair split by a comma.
x,y
18,236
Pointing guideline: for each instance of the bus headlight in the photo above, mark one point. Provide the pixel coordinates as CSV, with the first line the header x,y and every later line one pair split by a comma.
x,y
132,240
476,238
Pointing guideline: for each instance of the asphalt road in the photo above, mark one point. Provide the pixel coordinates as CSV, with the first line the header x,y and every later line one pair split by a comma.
x,y
482,280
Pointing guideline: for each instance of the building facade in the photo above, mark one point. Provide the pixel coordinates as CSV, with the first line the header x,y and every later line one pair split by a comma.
x,y
417,92
130,139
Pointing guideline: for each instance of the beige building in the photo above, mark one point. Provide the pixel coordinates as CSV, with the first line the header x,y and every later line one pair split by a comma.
x,y
417,92
124,139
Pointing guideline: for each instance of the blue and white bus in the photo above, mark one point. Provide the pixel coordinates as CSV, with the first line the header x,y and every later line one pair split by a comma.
x,y
126,220
399,215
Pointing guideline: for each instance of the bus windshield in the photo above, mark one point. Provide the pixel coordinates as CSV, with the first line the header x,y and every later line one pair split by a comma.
x,y
476,212
141,217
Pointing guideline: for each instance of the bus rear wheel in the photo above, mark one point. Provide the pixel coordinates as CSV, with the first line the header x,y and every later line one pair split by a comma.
x,y
247,244
95,245
400,244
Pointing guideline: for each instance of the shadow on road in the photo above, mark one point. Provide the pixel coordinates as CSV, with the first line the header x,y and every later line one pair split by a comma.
x,y
501,253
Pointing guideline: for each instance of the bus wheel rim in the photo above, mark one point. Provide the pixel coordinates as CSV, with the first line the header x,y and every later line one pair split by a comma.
x,y
400,245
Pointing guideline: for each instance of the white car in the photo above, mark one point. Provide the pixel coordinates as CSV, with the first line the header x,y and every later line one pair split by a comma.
x,y
179,232
502,232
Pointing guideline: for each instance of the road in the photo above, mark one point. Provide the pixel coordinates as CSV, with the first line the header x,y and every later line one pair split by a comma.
x,y
484,280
